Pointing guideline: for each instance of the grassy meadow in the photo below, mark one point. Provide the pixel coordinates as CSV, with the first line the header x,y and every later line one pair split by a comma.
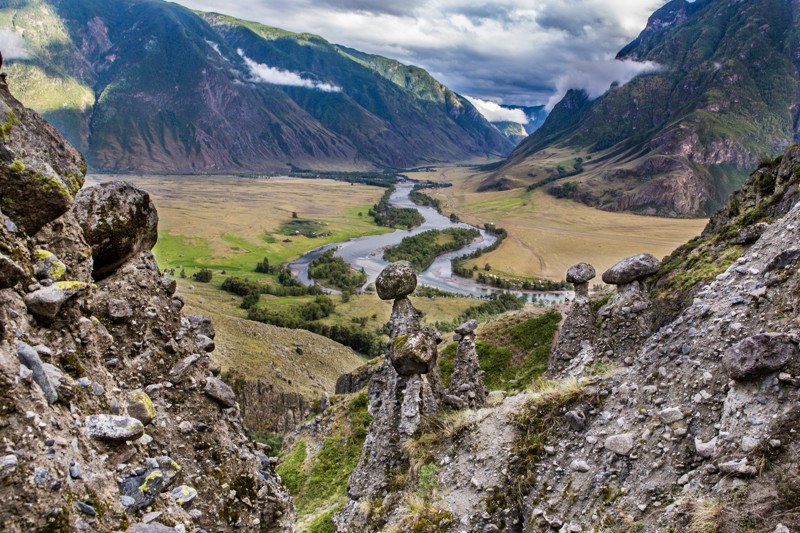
x,y
547,235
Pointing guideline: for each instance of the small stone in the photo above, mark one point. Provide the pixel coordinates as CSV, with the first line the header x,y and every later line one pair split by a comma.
x,y
45,303
780,528
177,373
119,310
75,471
98,389
396,281
113,428
579,466
183,494
205,344
30,358
621,444
185,426
706,450
576,420
217,389
670,415
141,407
8,465
41,476
86,508
738,468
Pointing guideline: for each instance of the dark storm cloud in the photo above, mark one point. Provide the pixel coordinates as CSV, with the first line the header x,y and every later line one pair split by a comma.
x,y
512,51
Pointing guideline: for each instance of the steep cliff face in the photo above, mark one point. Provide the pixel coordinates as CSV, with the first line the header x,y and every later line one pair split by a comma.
x,y
677,141
150,86
650,420
112,412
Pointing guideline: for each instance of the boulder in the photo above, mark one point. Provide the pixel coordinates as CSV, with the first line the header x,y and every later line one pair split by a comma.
x,y
580,273
631,269
140,490
751,233
48,266
183,494
141,407
759,355
414,353
113,427
219,391
396,281
45,303
178,371
119,310
119,221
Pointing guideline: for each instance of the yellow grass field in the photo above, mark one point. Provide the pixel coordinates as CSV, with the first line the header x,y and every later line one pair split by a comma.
x,y
548,235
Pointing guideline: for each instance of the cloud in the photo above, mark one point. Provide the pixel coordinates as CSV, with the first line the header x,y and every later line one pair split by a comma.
x,y
266,74
494,113
512,51
12,45
597,77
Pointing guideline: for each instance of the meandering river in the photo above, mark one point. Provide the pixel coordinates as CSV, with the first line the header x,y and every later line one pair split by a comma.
x,y
367,253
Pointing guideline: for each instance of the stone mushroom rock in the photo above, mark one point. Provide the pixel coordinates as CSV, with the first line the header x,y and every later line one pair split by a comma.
x,y
632,269
467,388
396,281
219,391
759,355
113,427
467,327
119,221
581,273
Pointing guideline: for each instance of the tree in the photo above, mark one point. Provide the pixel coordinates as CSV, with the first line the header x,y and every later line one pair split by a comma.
x,y
487,267
294,214
263,266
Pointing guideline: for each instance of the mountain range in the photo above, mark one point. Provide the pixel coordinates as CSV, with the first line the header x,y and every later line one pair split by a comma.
x,y
150,86
724,95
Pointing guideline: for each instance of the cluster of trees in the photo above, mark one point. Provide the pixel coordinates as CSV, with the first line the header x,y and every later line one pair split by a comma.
x,y
394,217
334,271
494,305
420,198
421,250
378,179
567,190
535,284
457,263
307,316
250,290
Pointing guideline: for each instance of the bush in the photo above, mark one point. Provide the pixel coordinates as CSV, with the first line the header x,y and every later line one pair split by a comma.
x,y
263,266
203,276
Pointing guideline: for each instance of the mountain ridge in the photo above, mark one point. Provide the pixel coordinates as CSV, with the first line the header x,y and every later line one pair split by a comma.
x,y
679,140
147,86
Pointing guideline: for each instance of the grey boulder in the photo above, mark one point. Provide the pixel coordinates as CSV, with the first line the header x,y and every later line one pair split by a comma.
x,y
759,355
396,281
631,269
113,427
218,390
580,273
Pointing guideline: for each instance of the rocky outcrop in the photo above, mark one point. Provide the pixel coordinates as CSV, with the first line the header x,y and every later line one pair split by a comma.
x,y
466,382
40,173
354,381
103,391
267,408
580,327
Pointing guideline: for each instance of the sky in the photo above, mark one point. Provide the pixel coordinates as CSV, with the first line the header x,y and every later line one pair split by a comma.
x,y
524,52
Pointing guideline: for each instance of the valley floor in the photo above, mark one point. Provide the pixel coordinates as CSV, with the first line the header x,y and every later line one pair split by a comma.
x,y
548,235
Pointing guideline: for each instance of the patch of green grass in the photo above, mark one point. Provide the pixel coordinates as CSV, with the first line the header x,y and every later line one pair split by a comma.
x,y
292,470
322,480
273,440
300,226
324,522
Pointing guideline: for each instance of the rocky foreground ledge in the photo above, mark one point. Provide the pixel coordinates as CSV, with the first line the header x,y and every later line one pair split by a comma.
x,y
112,414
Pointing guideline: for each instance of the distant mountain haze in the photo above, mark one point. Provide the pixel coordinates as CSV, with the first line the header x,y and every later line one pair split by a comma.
x,y
150,86
678,139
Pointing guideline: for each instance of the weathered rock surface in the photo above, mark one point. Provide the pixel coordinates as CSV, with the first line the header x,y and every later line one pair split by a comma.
x,y
39,172
74,460
220,391
119,222
466,381
581,273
